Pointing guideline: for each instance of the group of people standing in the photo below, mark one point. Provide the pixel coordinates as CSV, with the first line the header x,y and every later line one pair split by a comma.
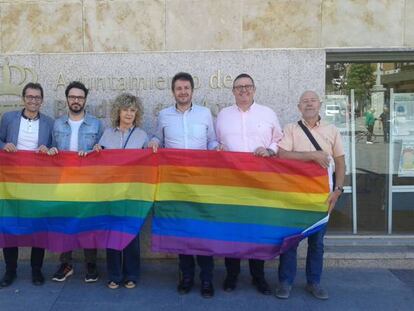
x,y
245,126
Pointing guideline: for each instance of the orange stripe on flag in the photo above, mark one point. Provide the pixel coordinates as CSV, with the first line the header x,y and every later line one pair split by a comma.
x,y
85,174
238,178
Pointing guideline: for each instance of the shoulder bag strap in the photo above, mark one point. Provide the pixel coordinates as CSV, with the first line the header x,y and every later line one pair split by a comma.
x,y
129,136
310,136
316,145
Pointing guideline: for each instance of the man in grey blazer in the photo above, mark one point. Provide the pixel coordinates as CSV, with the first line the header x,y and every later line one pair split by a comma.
x,y
26,129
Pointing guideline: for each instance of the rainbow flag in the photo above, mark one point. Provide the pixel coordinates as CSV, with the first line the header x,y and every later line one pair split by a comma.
x,y
205,202
235,204
67,202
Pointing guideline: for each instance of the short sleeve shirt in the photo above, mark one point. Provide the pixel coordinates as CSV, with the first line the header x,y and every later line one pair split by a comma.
x,y
327,136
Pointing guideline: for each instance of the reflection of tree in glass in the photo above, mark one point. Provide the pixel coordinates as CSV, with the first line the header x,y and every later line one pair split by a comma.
x,y
335,82
361,78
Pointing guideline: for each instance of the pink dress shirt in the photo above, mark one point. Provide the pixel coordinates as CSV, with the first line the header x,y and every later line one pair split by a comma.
x,y
245,131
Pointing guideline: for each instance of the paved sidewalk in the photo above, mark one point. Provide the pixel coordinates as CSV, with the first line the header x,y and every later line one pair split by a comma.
x,y
349,289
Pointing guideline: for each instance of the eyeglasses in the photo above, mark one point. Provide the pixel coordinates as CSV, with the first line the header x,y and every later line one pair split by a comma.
x,y
78,98
33,98
310,101
247,87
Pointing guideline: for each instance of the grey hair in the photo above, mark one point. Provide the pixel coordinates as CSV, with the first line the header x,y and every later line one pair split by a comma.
x,y
310,91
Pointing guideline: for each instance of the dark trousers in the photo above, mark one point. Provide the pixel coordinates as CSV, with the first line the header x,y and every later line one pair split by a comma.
x,y
256,267
12,253
90,256
370,132
314,260
386,134
187,266
125,264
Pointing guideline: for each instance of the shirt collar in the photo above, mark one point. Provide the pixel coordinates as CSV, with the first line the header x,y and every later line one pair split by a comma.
x,y
176,109
251,107
318,123
117,129
37,117
85,118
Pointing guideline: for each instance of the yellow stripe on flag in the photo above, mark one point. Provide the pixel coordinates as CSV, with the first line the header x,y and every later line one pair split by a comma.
x,y
242,196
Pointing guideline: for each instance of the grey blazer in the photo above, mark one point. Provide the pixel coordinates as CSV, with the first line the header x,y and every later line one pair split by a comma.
x,y
10,124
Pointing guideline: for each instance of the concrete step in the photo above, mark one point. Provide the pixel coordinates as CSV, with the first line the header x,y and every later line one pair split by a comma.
x,y
374,251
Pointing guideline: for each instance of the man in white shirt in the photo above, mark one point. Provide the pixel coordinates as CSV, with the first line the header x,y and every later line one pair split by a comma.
x,y
77,131
27,129
187,126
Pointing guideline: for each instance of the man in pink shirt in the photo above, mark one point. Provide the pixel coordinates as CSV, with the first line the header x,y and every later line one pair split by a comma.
x,y
247,127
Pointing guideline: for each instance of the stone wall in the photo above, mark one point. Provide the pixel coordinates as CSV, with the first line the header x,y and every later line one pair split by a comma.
x,y
63,26
280,77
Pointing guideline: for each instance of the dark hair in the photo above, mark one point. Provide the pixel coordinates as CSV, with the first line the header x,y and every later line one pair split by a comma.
x,y
76,85
32,85
243,75
182,76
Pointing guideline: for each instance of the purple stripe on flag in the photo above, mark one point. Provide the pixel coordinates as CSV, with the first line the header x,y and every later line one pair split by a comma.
x,y
59,242
291,241
194,246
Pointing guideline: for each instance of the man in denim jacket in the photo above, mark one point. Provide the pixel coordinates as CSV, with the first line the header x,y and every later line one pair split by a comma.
x,y
77,131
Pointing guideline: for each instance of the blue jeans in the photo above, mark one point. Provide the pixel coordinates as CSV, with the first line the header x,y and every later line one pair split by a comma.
x,y
124,265
314,260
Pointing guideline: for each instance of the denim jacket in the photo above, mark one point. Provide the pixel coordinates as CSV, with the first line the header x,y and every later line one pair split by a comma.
x,y
90,132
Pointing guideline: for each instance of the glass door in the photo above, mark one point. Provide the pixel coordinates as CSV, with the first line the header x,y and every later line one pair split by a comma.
x,y
364,100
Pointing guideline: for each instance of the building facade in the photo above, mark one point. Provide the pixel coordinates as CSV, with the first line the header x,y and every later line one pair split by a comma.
x,y
359,55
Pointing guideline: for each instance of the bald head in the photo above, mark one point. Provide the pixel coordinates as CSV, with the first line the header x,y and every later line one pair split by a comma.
x,y
309,94
309,106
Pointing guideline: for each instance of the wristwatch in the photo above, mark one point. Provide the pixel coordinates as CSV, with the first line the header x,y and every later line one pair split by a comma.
x,y
271,152
340,188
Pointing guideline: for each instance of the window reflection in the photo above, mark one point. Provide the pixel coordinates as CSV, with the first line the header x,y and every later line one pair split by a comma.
x,y
383,102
